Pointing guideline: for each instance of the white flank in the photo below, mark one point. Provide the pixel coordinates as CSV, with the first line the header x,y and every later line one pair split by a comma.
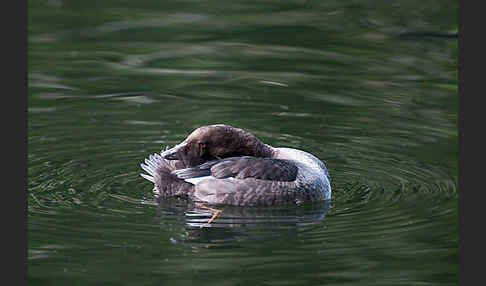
x,y
198,179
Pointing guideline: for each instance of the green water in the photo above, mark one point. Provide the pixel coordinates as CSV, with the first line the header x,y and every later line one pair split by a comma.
x,y
369,87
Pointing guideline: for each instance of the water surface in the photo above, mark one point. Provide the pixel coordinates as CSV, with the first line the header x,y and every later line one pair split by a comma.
x,y
369,88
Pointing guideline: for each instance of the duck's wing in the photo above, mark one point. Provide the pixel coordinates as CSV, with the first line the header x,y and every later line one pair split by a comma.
x,y
243,181
243,167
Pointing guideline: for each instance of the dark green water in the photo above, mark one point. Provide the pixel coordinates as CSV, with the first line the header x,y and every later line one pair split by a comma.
x,y
369,87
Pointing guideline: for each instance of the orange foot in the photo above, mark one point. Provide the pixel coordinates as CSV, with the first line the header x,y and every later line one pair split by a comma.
x,y
216,212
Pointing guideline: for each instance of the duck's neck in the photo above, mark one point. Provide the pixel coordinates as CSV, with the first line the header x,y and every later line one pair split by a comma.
x,y
249,145
265,150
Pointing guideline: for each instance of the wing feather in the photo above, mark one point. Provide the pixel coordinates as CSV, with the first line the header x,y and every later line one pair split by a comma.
x,y
243,167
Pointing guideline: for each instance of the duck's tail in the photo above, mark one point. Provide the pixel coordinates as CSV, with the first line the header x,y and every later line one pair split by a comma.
x,y
166,184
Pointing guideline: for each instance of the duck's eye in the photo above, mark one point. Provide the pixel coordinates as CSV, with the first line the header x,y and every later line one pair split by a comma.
x,y
202,148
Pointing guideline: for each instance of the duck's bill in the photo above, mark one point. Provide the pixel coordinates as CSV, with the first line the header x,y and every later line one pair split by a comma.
x,y
172,153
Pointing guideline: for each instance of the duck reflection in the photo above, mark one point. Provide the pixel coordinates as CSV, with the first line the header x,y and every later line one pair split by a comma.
x,y
190,220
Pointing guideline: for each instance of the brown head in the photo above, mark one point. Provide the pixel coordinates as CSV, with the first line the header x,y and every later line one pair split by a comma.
x,y
212,142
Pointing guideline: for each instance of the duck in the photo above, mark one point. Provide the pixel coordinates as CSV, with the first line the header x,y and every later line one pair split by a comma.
x,y
224,165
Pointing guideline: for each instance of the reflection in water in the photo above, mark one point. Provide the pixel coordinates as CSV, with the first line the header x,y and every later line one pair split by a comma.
x,y
236,223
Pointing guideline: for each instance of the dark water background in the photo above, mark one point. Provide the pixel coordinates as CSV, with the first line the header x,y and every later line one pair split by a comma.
x,y
369,87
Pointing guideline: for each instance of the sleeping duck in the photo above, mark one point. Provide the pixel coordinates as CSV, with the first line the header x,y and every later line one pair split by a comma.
x,y
221,164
